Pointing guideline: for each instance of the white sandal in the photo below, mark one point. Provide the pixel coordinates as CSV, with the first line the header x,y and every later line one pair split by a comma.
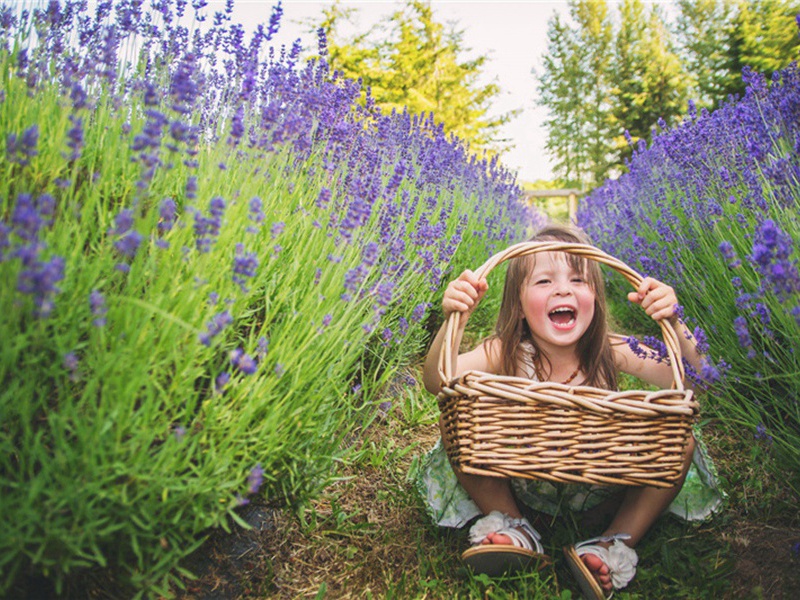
x,y
620,559
496,559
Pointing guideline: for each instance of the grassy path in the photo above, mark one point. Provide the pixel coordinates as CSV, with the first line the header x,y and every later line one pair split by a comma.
x,y
369,537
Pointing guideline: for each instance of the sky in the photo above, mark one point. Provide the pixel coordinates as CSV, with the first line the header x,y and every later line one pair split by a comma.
x,y
513,34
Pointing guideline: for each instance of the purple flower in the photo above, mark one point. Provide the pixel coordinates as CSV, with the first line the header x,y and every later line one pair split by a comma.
x,y
166,212
740,326
257,210
97,303
179,431
26,219
419,312
207,229
243,362
221,382
20,149
761,434
277,229
255,479
323,198
244,265
129,243
39,279
213,328
71,364
263,347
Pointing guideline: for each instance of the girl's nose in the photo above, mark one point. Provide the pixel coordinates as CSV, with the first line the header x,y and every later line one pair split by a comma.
x,y
563,289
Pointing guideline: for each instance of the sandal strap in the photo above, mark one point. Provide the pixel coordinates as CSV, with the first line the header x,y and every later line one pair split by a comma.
x,y
620,559
497,522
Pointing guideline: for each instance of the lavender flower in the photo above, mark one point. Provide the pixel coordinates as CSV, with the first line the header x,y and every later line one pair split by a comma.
x,y
215,326
21,149
39,279
97,303
243,362
255,479
167,212
221,382
244,265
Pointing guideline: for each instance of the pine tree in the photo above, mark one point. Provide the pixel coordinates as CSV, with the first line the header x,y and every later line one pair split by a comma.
x,y
704,32
559,87
650,83
410,62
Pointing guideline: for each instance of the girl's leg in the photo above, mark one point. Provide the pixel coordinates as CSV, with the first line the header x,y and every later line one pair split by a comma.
x,y
489,493
639,510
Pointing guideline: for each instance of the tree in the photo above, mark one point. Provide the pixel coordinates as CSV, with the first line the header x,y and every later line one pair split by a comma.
x,y
574,87
704,31
765,36
719,38
595,37
411,62
650,83
559,87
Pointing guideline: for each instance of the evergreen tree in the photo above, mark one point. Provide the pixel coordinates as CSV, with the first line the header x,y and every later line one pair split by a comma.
x,y
705,34
559,87
575,89
650,83
594,40
719,38
411,62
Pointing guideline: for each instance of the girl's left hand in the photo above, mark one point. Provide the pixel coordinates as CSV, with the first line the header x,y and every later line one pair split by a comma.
x,y
657,299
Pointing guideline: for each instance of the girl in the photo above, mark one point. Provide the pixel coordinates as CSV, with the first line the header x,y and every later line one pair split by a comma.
x,y
552,327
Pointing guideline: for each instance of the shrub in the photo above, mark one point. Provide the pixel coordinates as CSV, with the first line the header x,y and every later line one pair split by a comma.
x,y
211,257
712,208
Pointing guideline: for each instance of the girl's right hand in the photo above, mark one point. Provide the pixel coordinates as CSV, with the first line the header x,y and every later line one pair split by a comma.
x,y
464,293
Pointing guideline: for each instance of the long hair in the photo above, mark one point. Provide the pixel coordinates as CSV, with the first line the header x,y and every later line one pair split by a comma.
x,y
517,345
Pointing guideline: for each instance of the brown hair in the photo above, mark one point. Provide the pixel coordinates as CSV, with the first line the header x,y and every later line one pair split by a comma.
x,y
595,356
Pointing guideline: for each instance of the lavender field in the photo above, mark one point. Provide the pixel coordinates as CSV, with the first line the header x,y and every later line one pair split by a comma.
x,y
212,260
712,206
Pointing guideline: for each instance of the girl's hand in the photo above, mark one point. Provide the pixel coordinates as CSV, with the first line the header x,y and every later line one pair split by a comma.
x,y
657,299
464,293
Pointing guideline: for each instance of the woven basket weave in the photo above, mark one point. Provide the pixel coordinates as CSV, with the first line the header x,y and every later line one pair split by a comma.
x,y
505,426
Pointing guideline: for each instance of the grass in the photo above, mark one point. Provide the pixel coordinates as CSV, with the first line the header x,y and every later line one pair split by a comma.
x,y
368,536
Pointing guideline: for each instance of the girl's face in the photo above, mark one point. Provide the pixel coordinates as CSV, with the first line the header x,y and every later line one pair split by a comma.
x,y
557,301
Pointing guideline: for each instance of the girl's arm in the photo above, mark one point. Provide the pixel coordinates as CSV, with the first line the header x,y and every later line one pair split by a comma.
x,y
659,301
462,295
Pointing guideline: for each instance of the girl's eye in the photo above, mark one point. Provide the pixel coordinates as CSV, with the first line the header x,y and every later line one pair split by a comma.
x,y
542,281
578,280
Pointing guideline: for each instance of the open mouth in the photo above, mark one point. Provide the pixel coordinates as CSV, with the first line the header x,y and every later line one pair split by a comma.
x,y
562,316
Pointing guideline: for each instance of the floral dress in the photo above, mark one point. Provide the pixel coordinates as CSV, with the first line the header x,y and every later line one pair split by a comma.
x,y
449,505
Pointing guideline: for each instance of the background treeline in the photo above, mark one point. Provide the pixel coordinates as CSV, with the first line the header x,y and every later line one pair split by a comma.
x,y
410,61
638,67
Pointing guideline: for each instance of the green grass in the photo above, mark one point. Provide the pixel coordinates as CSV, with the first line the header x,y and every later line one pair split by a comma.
x,y
368,535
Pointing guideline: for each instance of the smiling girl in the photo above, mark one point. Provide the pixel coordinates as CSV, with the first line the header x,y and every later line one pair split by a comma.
x,y
552,327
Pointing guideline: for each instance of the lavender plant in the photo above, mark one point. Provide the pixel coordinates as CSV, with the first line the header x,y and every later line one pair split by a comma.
x,y
212,257
712,207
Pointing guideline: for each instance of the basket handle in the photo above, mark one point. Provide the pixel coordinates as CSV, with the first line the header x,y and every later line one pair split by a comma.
x,y
449,352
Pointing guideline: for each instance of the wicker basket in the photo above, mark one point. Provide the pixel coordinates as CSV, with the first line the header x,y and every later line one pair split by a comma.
x,y
513,427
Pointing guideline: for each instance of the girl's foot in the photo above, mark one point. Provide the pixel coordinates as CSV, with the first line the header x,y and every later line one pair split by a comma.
x,y
599,570
497,537
601,565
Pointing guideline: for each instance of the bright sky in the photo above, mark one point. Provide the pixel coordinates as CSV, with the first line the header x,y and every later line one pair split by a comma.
x,y
513,35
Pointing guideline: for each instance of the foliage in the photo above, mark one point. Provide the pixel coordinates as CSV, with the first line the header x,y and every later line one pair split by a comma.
x,y
719,38
649,83
711,207
600,80
212,257
410,62
595,104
